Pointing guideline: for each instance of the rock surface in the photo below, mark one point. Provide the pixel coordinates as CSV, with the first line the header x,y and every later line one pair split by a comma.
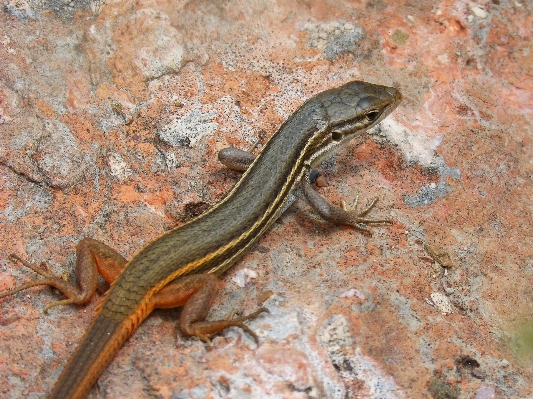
x,y
111,115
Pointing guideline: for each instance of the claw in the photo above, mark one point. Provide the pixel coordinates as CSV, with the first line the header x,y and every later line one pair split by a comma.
x,y
239,322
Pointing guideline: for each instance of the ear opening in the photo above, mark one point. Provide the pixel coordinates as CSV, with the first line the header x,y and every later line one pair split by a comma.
x,y
336,136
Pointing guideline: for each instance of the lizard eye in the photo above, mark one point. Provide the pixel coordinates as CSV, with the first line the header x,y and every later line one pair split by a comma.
x,y
336,136
372,115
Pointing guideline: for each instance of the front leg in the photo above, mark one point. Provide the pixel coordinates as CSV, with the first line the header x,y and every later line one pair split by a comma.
x,y
237,159
92,257
337,215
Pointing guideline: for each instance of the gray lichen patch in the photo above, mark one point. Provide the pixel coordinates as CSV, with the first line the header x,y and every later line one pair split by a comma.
x,y
333,38
188,130
25,10
428,194
59,157
163,53
433,191
118,167
422,150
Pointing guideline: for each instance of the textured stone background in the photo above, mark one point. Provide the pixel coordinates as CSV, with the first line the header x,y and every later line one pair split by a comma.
x,y
111,114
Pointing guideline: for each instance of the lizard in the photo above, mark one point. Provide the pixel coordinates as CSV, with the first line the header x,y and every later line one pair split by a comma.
x,y
181,267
